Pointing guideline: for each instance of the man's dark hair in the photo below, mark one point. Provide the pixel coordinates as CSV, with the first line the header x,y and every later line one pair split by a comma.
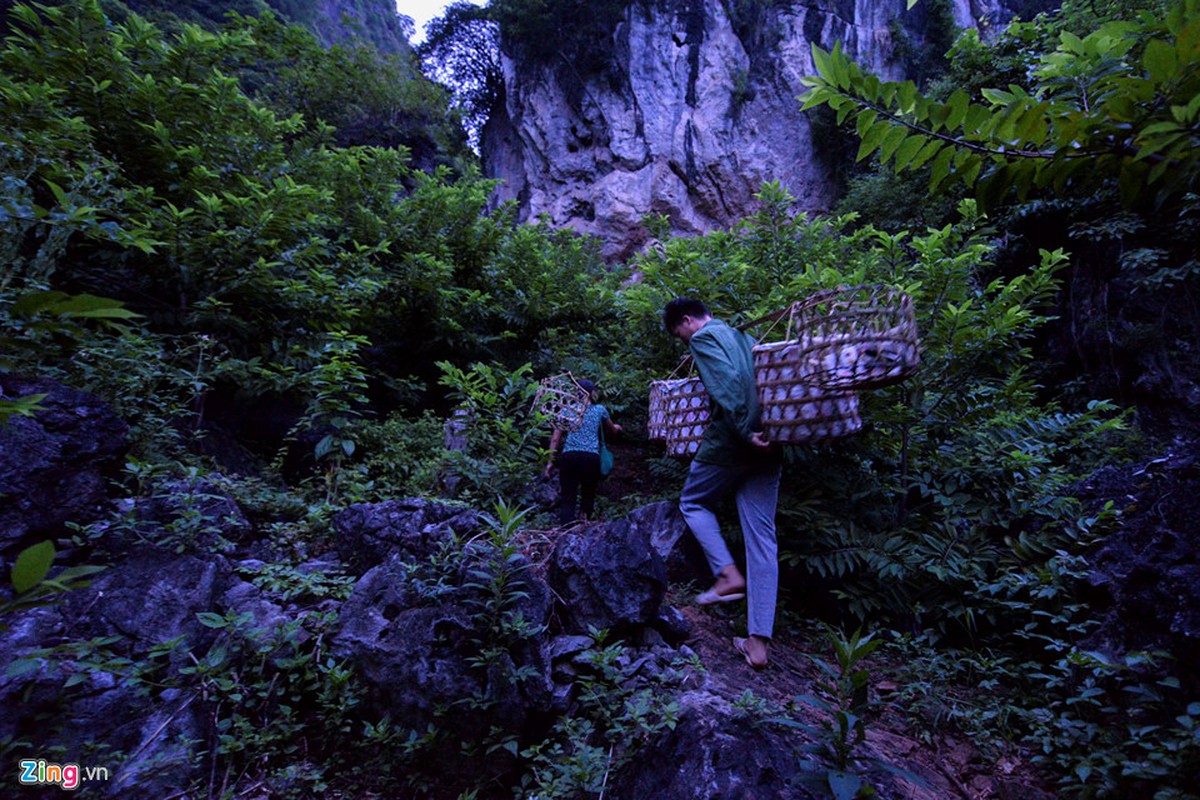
x,y
680,307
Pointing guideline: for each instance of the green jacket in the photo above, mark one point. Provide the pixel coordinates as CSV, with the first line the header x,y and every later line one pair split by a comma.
x,y
726,366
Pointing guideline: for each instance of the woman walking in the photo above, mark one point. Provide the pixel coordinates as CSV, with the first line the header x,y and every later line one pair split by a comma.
x,y
577,454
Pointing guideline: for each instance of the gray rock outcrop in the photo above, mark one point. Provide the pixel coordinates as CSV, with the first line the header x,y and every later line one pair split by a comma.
x,y
608,577
715,753
693,110
55,466
459,634
670,538
367,533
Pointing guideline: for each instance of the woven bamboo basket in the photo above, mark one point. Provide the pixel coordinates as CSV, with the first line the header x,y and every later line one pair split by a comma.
x,y
562,401
656,428
679,413
795,411
862,337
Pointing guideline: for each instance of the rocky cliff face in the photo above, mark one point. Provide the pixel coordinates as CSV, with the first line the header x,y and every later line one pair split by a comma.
x,y
694,107
335,21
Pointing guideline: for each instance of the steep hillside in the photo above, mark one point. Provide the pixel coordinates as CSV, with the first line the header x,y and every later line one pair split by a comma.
x,y
337,20
333,21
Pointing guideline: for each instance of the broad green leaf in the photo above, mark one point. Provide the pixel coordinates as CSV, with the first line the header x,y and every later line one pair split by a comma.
x,y
815,96
1072,44
1162,145
892,140
821,62
32,566
998,96
940,168
31,303
870,88
58,192
1159,127
211,620
931,149
977,120
22,666
1193,109
872,139
907,150
970,169
992,188
1032,126
958,104
938,112
1160,60
840,65
865,120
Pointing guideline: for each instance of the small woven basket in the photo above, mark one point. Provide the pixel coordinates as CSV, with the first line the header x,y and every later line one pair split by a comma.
x,y
562,401
679,413
862,337
794,411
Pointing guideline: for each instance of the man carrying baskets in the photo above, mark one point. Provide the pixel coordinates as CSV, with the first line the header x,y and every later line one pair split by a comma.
x,y
733,456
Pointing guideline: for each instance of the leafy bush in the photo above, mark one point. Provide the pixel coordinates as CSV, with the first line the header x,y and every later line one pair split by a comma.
x,y
917,508
614,718
503,451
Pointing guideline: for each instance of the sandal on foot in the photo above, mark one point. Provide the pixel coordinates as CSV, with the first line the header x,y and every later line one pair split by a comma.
x,y
739,644
710,597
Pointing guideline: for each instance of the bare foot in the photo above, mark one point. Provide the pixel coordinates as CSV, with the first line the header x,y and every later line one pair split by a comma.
x,y
754,649
728,587
729,580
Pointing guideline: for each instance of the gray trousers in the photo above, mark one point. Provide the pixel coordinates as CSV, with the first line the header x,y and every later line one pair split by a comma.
x,y
757,492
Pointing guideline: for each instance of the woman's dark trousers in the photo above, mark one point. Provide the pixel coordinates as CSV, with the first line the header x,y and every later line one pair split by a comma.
x,y
578,473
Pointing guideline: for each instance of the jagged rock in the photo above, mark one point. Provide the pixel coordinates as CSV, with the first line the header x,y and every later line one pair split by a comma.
x,y
672,540
367,533
607,577
166,752
717,751
690,107
196,515
568,646
21,634
673,625
415,641
55,466
152,596
714,753
246,598
162,736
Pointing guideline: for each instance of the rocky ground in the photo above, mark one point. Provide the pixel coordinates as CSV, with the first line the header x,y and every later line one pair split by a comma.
x,y
406,589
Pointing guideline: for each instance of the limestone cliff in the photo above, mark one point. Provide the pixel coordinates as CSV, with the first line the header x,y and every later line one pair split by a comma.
x,y
693,108
335,21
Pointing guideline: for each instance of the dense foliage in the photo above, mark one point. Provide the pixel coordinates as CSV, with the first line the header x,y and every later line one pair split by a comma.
x,y
222,233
